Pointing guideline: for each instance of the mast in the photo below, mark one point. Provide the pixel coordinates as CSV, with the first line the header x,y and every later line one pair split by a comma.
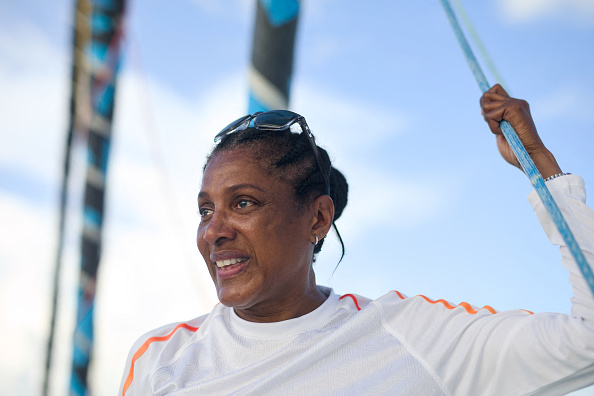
x,y
104,53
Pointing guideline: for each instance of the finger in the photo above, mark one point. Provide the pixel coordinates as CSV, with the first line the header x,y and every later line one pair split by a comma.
x,y
506,152
510,110
494,96
498,89
489,97
493,118
494,127
491,106
495,110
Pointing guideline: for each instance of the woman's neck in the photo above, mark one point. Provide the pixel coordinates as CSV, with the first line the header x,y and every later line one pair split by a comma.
x,y
288,308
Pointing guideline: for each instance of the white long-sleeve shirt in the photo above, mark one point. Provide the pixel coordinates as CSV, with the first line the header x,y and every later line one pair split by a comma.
x,y
394,345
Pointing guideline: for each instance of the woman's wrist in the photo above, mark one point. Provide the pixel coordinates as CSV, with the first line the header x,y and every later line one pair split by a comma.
x,y
546,164
556,176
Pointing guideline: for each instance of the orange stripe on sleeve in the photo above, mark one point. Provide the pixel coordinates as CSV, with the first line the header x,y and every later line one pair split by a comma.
x,y
490,309
354,300
145,346
464,305
399,295
468,307
444,302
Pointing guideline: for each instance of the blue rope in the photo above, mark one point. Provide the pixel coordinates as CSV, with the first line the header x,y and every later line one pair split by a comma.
x,y
527,164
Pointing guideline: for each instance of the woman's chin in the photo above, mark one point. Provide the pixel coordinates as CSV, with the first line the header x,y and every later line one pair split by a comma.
x,y
232,296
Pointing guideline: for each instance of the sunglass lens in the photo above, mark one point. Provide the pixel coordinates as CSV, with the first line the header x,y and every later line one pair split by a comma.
x,y
276,119
231,127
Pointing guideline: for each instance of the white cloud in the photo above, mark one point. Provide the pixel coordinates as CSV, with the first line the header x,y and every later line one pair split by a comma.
x,y
569,101
345,123
25,266
574,11
378,200
355,133
33,77
25,49
34,102
527,9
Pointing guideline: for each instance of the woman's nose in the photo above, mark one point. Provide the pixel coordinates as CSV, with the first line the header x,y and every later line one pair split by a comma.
x,y
218,228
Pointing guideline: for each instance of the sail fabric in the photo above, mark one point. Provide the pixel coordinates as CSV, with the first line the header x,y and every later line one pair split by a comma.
x,y
102,52
272,54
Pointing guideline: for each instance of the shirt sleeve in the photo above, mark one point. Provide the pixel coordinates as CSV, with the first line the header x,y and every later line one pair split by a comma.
x,y
570,195
151,351
555,350
474,351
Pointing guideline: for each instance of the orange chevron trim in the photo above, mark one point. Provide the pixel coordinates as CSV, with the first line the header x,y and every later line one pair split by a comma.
x,y
145,346
446,304
464,305
354,300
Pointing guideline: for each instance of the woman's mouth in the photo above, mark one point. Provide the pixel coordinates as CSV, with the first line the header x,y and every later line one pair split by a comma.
x,y
225,263
230,267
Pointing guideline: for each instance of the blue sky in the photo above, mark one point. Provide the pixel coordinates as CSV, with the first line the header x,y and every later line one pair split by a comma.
x,y
433,209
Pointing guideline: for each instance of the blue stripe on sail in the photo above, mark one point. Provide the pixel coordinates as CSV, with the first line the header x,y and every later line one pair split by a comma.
x,y
101,23
280,11
255,105
92,217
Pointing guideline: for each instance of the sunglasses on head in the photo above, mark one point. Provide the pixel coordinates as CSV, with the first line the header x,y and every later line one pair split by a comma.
x,y
276,120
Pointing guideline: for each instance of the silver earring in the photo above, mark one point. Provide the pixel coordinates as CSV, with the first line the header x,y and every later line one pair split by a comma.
x,y
316,240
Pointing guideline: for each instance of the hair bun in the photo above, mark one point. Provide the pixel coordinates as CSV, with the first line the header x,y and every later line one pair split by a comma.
x,y
339,190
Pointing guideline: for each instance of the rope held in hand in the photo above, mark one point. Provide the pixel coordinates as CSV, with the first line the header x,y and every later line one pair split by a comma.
x,y
527,164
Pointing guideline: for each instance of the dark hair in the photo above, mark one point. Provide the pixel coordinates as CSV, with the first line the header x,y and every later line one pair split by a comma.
x,y
289,156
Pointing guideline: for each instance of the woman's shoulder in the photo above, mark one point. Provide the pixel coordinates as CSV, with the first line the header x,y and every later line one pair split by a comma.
x,y
169,332
171,335
156,346
170,329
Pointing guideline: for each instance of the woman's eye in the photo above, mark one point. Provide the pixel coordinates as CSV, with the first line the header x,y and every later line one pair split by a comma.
x,y
204,212
244,203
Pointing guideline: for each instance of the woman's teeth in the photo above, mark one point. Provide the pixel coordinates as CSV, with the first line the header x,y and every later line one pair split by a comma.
x,y
224,263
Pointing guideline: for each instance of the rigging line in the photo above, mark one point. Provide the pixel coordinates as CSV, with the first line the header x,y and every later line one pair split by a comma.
x,y
58,257
527,164
478,42
153,140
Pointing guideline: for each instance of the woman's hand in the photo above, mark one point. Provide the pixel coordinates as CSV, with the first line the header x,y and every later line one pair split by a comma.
x,y
496,105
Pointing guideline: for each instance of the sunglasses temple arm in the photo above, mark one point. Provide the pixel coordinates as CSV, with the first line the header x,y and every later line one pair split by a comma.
x,y
314,146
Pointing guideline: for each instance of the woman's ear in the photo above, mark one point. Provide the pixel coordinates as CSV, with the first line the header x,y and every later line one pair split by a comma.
x,y
323,215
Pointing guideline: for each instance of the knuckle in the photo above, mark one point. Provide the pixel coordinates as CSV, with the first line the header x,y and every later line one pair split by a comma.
x,y
516,104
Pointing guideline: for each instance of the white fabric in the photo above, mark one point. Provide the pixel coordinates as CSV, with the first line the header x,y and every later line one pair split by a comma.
x,y
393,345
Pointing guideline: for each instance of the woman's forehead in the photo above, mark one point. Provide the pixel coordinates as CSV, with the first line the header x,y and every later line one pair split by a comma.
x,y
240,157
235,167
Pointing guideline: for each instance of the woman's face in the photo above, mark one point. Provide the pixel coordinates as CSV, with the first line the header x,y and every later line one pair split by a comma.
x,y
254,239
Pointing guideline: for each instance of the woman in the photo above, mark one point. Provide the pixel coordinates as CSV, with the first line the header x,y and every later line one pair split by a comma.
x,y
268,199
